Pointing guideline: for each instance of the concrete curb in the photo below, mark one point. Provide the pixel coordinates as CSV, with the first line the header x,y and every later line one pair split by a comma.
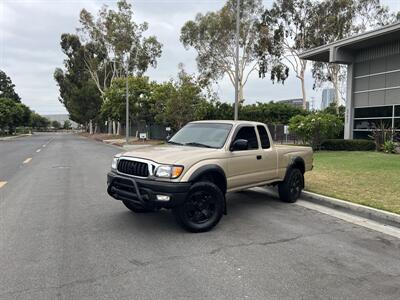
x,y
14,136
384,217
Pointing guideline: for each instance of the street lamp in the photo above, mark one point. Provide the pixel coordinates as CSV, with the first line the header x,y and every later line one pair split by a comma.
x,y
237,60
128,55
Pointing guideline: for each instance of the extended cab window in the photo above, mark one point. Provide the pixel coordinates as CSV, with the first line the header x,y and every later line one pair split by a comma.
x,y
248,133
262,132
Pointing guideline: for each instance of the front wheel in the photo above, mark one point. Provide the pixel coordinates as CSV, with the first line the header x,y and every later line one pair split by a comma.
x,y
290,189
202,209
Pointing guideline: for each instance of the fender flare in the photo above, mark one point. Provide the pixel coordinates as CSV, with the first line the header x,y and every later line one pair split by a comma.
x,y
211,168
296,162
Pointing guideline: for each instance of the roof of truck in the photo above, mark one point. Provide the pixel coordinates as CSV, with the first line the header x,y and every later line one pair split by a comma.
x,y
229,122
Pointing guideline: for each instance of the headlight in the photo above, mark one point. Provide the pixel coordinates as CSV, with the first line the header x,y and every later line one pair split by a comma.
x,y
115,161
169,171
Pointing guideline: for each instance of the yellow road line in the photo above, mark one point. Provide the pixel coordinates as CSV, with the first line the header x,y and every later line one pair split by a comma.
x,y
2,183
27,160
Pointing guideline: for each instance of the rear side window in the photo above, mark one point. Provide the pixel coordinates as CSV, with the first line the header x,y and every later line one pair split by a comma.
x,y
248,133
262,132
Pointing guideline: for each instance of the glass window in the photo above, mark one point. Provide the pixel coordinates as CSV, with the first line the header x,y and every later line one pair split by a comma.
x,y
262,132
248,133
397,111
373,112
372,123
397,123
211,135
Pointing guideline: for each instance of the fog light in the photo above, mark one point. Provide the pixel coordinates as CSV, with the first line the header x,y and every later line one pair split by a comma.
x,y
162,198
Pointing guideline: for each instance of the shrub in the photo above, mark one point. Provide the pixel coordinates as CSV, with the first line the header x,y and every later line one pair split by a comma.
x,y
389,147
348,145
314,128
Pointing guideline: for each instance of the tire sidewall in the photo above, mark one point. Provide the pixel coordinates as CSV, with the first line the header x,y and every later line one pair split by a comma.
x,y
284,187
212,189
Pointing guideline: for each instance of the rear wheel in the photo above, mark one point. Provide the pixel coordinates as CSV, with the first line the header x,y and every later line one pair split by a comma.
x,y
202,209
290,189
136,209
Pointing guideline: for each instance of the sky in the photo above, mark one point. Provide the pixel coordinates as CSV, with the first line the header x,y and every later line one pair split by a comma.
x,y
30,32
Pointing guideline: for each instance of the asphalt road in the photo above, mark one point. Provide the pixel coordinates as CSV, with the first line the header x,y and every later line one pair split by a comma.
x,y
63,237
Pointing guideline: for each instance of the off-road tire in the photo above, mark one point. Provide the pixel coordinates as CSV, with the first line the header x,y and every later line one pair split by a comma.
x,y
202,209
290,188
136,209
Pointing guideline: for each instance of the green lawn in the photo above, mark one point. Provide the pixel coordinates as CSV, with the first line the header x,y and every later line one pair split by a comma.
x,y
367,178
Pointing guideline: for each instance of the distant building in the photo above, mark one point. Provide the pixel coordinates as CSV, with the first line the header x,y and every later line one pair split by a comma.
x,y
298,102
328,97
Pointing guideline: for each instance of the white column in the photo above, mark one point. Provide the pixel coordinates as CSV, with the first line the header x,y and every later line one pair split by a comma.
x,y
348,117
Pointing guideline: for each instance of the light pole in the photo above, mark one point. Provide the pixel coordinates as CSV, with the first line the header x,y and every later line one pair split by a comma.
x,y
128,56
237,60
127,108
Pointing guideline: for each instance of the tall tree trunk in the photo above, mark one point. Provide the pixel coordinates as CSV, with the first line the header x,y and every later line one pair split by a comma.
x,y
109,126
303,89
90,127
119,128
114,129
241,98
96,128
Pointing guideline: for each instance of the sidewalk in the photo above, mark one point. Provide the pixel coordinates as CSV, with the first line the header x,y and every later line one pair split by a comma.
x,y
6,138
380,216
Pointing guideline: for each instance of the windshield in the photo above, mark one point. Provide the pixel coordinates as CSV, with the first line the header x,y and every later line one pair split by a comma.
x,y
209,135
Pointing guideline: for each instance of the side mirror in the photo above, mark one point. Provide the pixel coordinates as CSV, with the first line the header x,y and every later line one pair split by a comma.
x,y
239,145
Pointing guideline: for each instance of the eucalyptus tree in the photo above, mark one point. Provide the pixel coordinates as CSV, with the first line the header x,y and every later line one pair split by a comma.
x,y
78,91
7,88
116,44
289,23
212,35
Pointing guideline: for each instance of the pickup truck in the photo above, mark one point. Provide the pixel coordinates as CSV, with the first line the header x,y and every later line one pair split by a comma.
x,y
192,172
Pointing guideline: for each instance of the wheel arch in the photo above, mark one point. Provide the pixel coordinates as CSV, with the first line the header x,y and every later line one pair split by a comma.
x,y
215,171
298,163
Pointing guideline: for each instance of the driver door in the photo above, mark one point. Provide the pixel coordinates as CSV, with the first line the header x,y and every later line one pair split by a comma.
x,y
244,167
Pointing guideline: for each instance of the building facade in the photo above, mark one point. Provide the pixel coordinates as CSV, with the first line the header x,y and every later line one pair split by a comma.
x,y
298,102
373,78
328,97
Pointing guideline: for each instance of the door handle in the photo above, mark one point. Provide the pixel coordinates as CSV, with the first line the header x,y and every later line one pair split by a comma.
x,y
259,157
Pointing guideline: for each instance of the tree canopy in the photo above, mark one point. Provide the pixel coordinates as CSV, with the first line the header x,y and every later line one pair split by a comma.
x,y
78,92
7,88
113,37
290,26
13,114
212,35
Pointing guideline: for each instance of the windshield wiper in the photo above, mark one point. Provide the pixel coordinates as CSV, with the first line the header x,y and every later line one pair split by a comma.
x,y
174,143
197,145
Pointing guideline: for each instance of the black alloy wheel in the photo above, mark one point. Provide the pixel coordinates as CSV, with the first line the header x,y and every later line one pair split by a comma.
x,y
202,209
290,189
296,185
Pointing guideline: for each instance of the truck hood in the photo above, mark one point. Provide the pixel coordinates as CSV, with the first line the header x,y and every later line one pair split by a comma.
x,y
169,154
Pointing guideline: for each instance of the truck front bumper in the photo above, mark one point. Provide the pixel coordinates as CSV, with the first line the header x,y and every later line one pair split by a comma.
x,y
146,192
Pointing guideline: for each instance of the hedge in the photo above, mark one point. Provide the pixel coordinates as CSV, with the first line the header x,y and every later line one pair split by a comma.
x,y
348,145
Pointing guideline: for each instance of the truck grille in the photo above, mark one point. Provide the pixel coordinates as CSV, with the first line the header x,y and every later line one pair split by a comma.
x,y
135,168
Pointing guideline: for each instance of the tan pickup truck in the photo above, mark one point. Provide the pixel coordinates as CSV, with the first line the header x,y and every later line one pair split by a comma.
x,y
193,171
